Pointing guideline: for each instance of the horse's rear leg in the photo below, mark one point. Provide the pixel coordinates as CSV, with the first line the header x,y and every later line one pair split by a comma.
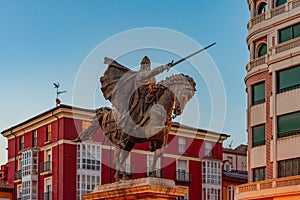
x,y
157,154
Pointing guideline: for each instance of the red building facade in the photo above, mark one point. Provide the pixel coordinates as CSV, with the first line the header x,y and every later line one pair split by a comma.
x,y
44,162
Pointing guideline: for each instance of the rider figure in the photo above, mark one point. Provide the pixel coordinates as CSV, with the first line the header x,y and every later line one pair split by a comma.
x,y
146,81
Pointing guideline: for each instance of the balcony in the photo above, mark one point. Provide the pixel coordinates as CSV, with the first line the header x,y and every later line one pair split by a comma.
x,y
257,62
269,188
278,10
157,172
285,46
183,176
269,14
18,176
47,196
46,168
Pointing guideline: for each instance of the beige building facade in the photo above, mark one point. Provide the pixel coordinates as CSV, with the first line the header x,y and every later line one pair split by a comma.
x,y
273,109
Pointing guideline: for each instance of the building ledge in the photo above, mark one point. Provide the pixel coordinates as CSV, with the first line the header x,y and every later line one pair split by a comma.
x,y
270,188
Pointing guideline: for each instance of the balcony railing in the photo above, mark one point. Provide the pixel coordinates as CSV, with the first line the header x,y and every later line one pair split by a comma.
x,y
256,62
46,167
278,10
258,19
295,4
157,172
183,176
290,44
47,196
269,184
18,175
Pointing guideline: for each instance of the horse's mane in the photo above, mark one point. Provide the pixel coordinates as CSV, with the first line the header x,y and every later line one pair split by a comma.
x,y
178,78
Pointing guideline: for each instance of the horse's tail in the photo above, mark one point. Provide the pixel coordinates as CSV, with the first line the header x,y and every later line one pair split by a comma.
x,y
96,123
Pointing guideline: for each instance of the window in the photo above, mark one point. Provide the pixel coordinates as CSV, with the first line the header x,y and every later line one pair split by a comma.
x,y
208,149
88,168
85,125
29,190
288,125
181,145
26,163
48,133
47,189
211,172
289,167
182,173
259,174
86,184
258,135
127,167
262,8
227,167
280,2
22,142
29,163
88,156
230,192
211,180
258,93
289,33
19,191
34,138
288,79
149,166
262,50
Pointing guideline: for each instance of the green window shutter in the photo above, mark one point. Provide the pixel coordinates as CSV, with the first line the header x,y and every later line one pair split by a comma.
x,y
288,79
289,125
258,136
258,93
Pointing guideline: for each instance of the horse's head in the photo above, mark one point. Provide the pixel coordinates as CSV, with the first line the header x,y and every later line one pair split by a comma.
x,y
183,87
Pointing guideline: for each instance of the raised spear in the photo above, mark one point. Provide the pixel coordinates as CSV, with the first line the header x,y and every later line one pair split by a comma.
x,y
172,64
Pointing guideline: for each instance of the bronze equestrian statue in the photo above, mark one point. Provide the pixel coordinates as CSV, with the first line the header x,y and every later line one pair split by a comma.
x,y
143,109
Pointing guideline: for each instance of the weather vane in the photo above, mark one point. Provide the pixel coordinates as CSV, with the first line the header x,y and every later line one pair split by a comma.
x,y
56,86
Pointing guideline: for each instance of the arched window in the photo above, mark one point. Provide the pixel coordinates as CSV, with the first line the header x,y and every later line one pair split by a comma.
x,y
280,2
262,50
262,8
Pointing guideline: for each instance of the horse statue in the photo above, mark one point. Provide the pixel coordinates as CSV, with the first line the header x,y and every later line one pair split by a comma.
x,y
171,97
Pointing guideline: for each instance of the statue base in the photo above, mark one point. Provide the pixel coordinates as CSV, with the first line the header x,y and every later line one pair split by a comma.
x,y
140,189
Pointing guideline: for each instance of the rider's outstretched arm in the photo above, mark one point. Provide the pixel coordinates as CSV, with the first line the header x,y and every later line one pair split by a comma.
x,y
153,72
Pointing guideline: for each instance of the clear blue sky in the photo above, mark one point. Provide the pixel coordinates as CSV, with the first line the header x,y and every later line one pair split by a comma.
x,y
42,42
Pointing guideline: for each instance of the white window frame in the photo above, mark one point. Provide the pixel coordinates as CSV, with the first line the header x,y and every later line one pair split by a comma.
x,y
181,145
208,148
19,191
149,164
211,179
87,179
185,171
34,138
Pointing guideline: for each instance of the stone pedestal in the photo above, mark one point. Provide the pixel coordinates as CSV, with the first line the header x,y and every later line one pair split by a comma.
x,y
139,189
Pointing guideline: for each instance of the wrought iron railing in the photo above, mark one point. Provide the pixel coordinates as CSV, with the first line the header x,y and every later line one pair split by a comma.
x,y
18,175
183,176
46,167
47,196
156,173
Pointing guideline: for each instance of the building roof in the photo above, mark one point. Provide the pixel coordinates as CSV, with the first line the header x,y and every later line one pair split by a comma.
x,y
236,177
46,112
175,125
240,150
